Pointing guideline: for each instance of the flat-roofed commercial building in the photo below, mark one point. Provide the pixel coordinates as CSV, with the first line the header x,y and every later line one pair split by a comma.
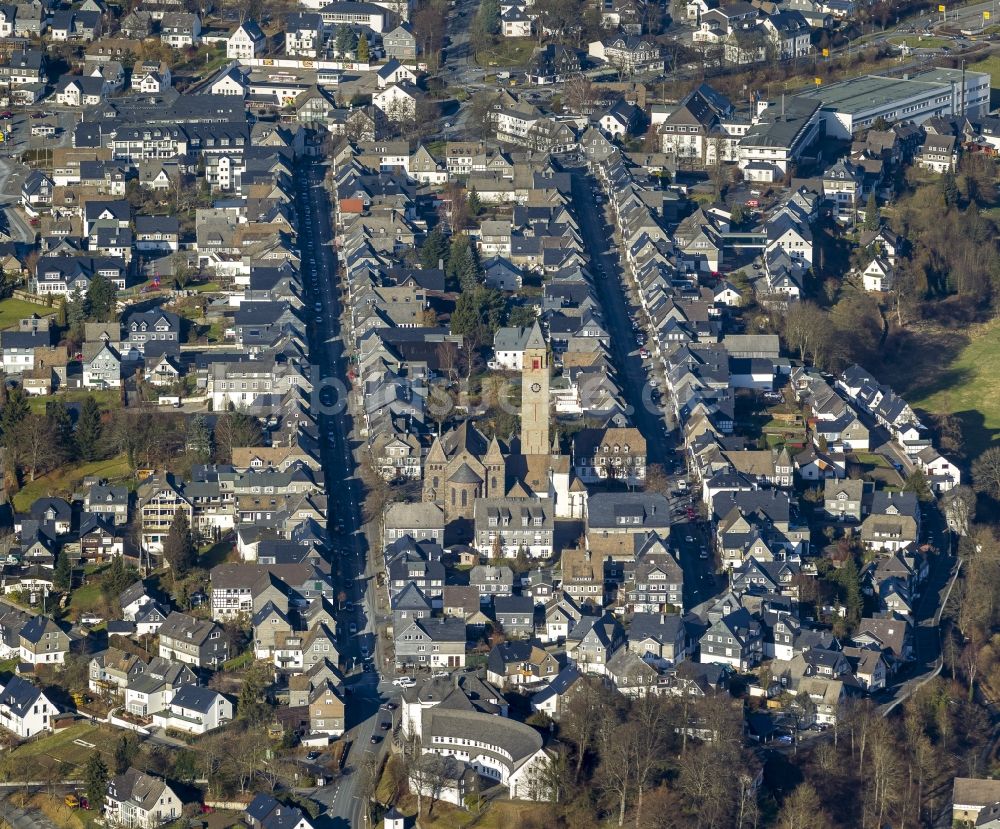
x,y
855,104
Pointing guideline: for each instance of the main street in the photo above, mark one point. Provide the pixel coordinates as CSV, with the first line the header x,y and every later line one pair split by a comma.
x,y
342,800
653,421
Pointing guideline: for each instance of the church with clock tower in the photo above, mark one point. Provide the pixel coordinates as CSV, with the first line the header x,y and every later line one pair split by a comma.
x,y
463,466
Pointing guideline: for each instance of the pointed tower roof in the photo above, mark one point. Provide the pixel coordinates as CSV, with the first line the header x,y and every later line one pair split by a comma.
x,y
436,453
494,452
535,339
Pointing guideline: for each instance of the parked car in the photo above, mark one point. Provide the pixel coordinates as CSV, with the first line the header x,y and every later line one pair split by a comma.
x,y
404,682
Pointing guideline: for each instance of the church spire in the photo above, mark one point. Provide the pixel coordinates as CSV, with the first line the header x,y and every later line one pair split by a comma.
x,y
535,339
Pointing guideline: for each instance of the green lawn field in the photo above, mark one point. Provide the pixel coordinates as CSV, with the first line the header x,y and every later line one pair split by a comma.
x,y
968,387
12,310
66,751
917,42
65,479
991,65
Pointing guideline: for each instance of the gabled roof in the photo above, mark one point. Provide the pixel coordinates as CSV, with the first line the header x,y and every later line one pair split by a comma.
x,y
195,698
36,629
132,593
252,30
19,696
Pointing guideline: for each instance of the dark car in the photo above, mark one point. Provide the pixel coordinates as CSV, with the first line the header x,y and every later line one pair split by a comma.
x,y
385,725
376,739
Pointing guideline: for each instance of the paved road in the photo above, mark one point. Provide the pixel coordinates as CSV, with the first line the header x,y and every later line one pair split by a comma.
x,y
459,67
12,175
927,614
633,376
319,264
368,690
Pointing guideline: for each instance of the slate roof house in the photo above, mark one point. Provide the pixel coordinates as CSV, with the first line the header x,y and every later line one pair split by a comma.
x,y
140,801
264,812
893,522
193,641
195,709
435,643
520,663
24,709
552,64
736,640
659,637
43,642
148,327
400,43
593,641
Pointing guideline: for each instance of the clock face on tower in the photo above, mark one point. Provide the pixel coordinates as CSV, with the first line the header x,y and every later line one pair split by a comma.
x,y
536,387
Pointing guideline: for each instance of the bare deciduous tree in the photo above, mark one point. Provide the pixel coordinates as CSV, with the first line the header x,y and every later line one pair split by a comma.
x,y
617,743
802,810
236,429
581,720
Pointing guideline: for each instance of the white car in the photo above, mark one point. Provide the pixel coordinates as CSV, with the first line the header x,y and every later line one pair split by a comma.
x,y
404,682
440,675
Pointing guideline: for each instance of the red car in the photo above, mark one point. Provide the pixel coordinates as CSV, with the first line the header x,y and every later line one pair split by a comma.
x,y
6,114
